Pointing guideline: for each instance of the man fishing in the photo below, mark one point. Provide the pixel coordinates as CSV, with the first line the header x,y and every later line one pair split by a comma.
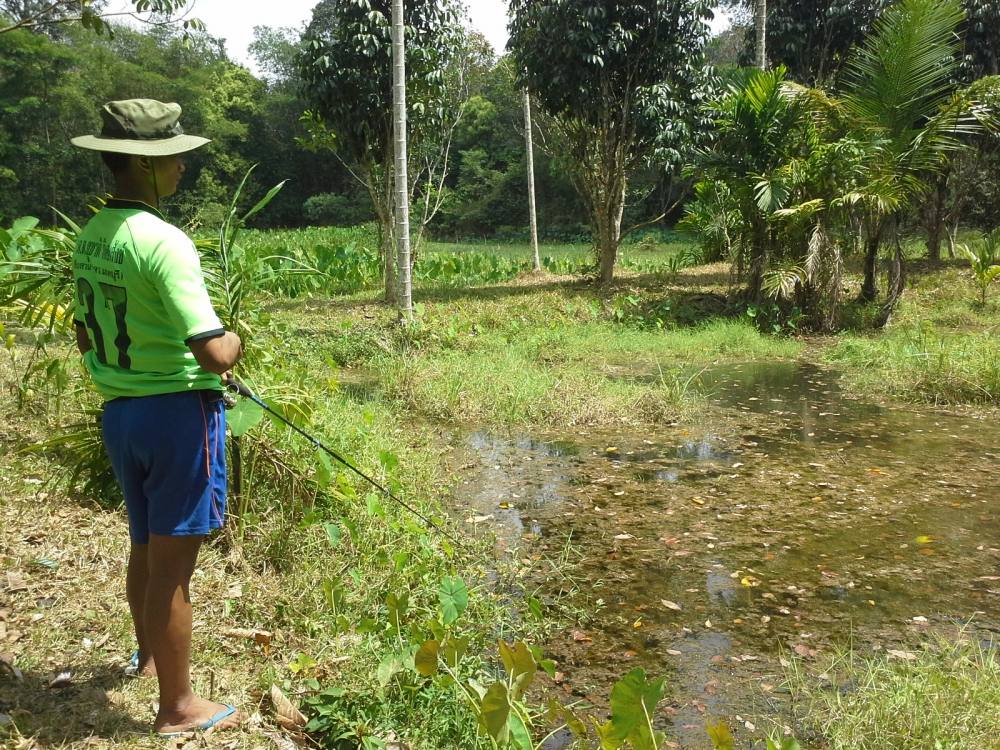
x,y
156,349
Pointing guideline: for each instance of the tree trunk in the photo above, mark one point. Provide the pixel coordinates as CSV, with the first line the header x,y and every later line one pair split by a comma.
x,y
759,257
869,289
897,282
536,263
608,226
760,27
378,181
404,298
935,216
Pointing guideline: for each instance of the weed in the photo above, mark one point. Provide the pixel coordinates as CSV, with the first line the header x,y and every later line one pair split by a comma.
x,y
942,696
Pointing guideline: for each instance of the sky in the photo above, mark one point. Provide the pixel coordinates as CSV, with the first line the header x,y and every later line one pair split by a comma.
x,y
233,20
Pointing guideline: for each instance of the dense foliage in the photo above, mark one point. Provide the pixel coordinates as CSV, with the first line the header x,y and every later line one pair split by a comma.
x,y
620,84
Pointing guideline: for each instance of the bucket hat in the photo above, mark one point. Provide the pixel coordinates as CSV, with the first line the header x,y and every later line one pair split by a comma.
x,y
141,127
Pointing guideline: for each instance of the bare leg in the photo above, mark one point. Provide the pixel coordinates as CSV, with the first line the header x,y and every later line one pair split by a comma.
x,y
167,626
135,590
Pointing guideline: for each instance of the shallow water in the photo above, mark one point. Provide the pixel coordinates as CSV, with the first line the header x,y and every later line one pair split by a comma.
x,y
791,519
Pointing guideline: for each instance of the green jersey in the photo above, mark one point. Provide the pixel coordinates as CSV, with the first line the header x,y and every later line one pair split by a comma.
x,y
142,298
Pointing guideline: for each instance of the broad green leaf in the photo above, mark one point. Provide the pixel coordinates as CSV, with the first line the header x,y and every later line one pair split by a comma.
x,y
333,534
722,738
22,225
389,461
389,667
324,469
633,702
426,658
520,665
557,711
453,650
397,604
243,416
453,597
782,743
520,737
494,711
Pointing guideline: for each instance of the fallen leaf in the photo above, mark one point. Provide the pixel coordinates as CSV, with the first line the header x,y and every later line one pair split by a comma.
x,y
674,652
623,537
670,605
580,637
479,519
288,716
261,637
15,582
804,651
903,655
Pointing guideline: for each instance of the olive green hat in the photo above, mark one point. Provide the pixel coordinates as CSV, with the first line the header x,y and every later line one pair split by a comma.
x,y
142,127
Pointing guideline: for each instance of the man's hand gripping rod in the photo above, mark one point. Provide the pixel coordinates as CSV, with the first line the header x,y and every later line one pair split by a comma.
x,y
236,386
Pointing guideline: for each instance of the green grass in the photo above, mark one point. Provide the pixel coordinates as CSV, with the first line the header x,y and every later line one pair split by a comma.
x,y
532,356
941,346
944,698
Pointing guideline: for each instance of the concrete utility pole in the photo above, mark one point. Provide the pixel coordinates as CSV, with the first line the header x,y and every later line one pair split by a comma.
x,y
404,297
760,26
536,264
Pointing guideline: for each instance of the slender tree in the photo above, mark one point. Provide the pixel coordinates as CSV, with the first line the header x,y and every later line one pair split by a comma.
x,y
404,298
346,69
536,263
760,30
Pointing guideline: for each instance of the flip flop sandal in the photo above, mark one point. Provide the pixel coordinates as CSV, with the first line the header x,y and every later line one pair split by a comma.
x,y
132,670
221,716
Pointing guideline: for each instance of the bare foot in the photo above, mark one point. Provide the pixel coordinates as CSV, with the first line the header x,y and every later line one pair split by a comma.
x,y
147,667
193,716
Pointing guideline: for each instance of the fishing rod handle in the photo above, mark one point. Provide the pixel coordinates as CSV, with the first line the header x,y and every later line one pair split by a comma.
x,y
236,386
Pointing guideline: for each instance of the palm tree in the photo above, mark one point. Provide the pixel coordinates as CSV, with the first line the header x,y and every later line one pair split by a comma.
x,y
901,100
760,122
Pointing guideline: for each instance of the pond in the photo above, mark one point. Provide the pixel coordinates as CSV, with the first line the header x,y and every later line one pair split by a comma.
x,y
791,519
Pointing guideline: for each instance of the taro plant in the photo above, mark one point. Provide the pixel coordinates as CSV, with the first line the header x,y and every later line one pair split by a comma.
x,y
984,259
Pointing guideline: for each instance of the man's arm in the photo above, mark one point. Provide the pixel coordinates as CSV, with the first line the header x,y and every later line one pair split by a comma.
x,y
82,337
219,353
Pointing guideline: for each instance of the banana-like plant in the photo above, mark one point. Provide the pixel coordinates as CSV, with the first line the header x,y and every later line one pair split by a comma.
x,y
984,258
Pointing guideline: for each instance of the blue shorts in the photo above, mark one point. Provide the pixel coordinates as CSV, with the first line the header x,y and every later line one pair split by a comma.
x,y
169,456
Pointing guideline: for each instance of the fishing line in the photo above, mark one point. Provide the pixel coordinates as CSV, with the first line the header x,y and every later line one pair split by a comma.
x,y
236,386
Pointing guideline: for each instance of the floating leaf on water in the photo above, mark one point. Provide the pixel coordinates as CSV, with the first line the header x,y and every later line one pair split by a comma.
x,y
924,539
670,605
722,738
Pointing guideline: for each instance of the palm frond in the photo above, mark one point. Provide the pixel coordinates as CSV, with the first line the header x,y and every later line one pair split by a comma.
x,y
903,71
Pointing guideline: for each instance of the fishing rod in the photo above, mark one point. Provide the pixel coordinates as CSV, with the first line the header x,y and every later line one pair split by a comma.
x,y
235,386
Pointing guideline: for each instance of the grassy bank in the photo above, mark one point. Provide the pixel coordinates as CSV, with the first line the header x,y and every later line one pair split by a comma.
x,y
303,593
544,351
944,695
941,346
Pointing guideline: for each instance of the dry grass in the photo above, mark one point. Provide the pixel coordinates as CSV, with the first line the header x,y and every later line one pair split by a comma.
x,y
66,612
